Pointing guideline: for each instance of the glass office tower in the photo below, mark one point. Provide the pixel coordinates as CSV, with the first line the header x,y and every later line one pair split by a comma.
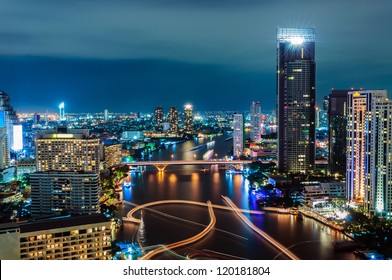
x,y
296,95
337,116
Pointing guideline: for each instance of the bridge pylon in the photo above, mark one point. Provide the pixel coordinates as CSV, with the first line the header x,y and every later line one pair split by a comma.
x,y
161,167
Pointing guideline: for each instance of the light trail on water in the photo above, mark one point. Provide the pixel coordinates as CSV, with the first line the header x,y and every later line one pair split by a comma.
x,y
263,234
185,220
187,241
130,217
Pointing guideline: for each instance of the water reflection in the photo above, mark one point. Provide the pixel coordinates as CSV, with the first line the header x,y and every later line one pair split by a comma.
x,y
309,239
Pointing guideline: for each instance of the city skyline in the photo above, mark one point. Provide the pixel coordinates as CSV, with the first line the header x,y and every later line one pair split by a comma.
x,y
95,57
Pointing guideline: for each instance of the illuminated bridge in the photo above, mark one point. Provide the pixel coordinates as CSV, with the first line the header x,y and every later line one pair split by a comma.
x,y
161,165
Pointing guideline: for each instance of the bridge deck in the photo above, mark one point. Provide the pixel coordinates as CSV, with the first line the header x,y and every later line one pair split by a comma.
x,y
187,162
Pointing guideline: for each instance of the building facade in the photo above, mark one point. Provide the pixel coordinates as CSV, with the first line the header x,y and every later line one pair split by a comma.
x,y
4,149
67,152
321,192
62,111
173,119
296,95
355,176
369,150
255,121
238,135
25,166
337,119
188,119
8,117
378,155
113,155
37,118
56,192
74,238
158,118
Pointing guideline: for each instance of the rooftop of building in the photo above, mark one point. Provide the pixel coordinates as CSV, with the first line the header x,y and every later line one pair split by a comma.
x,y
56,172
279,177
61,222
8,226
26,161
64,133
317,186
63,136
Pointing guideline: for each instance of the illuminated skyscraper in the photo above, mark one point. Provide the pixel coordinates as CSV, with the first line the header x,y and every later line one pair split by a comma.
x,y
255,121
37,117
369,150
62,111
173,119
158,116
17,144
355,177
296,94
238,135
67,152
106,115
8,117
4,149
188,119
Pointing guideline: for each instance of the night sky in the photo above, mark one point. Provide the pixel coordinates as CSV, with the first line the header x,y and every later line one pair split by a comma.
x,y
132,55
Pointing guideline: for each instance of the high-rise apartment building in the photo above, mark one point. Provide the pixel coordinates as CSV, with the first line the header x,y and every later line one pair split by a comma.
x,y
369,150
337,119
255,121
158,118
173,119
4,149
296,94
238,135
356,115
58,192
326,103
106,115
25,166
8,117
64,151
17,144
188,119
37,118
67,238
62,111
112,154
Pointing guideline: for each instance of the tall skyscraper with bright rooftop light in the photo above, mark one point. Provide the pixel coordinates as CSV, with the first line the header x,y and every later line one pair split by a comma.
x,y
296,95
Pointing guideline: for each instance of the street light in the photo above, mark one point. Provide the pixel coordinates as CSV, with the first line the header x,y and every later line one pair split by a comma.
x,y
172,156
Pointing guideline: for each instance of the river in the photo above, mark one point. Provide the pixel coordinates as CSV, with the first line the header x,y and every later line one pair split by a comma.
x,y
231,238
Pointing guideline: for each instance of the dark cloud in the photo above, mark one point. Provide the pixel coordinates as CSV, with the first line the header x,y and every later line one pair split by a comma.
x,y
229,38
90,85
